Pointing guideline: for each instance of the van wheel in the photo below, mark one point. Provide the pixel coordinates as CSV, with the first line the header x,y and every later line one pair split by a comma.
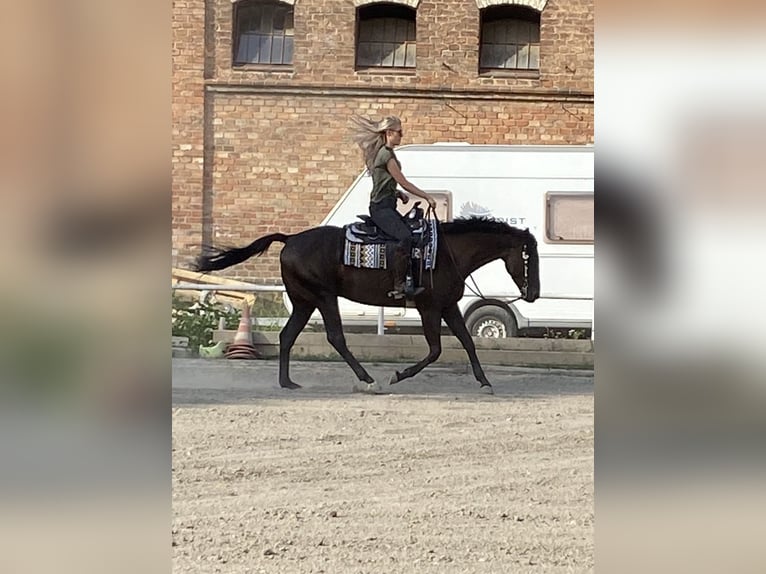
x,y
491,322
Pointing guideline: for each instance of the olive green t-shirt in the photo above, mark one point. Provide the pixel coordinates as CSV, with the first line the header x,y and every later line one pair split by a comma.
x,y
383,183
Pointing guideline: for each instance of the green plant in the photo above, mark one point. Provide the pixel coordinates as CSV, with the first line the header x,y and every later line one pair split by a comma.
x,y
196,319
560,333
269,305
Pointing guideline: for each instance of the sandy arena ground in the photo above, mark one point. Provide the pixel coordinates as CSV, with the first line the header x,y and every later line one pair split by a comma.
x,y
434,478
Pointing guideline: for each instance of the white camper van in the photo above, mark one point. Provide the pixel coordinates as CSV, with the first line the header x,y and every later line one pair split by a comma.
x,y
548,189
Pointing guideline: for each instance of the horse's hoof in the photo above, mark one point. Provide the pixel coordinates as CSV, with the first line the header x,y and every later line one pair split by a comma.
x,y
487,389
394,378
290,385
372,388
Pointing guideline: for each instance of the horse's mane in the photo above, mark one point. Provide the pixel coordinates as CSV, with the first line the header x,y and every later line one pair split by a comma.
x,y
482,225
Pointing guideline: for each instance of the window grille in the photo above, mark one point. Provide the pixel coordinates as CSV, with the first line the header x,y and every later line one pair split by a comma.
x,y
385,37
510,39
264,33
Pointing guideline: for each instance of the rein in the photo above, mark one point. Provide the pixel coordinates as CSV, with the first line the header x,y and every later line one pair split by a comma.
x,y
431,212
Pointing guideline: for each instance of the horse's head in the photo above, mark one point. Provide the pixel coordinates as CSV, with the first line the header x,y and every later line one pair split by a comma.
x,y
523,265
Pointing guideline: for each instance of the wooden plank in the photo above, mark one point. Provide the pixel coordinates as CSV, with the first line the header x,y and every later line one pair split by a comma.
x,y
204,278
232,297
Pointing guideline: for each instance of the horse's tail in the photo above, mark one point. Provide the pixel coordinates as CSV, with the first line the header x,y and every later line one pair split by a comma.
x,y
215,259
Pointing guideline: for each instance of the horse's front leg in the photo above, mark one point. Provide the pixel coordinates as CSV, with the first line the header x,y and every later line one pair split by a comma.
x,y
454,319
431,320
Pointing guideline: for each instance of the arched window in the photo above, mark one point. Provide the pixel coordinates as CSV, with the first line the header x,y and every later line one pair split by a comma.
x,y
263,33
510,38
385,36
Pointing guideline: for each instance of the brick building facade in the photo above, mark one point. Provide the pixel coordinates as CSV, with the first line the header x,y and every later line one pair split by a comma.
x,y
259,148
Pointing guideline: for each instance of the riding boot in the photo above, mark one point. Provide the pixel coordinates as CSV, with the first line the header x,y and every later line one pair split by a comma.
x,y
404,285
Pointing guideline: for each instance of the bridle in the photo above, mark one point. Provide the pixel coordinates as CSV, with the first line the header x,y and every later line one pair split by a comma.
x,y
477,292
524,285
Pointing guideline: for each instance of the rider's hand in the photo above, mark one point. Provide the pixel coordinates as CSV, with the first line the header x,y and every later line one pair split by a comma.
x,y
404,197
432,202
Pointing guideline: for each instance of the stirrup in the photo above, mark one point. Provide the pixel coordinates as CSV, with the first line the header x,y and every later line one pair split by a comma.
x,y
407,293
396,294
399,291
410,291
406,289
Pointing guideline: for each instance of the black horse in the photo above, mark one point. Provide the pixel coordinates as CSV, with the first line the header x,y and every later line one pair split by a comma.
x,y
314,277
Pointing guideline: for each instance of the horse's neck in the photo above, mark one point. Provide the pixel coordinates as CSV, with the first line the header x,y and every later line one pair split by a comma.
x,y
472,250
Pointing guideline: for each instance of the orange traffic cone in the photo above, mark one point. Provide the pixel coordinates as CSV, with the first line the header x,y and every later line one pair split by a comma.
x,y
242,346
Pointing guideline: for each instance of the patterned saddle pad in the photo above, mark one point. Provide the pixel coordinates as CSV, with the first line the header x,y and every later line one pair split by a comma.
x,y
368,248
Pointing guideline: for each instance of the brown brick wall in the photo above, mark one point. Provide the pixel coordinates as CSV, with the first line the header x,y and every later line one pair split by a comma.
x,y
448,51
187,111
278,153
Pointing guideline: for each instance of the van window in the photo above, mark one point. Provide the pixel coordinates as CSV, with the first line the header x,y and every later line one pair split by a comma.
x,y
569,217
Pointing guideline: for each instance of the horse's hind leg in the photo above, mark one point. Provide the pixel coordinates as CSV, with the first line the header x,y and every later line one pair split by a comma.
x,y
334,327
431,320
455,321
302,311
